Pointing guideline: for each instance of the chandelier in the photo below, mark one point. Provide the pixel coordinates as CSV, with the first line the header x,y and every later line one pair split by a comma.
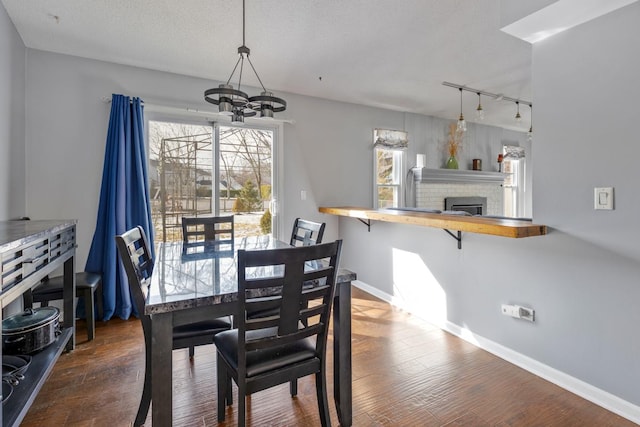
x,y
238,104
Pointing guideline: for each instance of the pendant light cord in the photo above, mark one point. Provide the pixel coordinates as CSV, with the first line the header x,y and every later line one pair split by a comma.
x,y
243,42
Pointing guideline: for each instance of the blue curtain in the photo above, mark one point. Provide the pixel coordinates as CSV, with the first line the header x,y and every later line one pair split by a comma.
x,y
124,202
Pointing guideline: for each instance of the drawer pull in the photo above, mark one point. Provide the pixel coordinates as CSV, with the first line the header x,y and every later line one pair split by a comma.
x,y
35,260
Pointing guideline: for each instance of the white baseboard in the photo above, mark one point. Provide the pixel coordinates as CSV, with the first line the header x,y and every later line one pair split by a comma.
x,y
587,391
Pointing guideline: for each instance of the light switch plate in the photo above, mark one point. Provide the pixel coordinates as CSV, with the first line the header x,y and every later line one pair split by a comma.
x,y
603,198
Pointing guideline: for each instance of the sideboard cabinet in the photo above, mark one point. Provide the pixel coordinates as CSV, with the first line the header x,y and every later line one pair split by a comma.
x,y
30,251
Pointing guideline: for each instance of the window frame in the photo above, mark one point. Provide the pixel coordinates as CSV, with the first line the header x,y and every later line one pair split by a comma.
x,y
399,159
204,119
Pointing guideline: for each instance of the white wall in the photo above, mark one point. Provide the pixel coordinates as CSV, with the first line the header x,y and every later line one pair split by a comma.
x,y
583,278
12,122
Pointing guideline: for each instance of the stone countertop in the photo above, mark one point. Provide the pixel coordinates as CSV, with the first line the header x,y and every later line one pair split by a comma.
x,y
17,233
190,280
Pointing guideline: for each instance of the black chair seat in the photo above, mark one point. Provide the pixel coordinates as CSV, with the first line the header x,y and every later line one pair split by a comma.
x,y
212,326
52,287
262,361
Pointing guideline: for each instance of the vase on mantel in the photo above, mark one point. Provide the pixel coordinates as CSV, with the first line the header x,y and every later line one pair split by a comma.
x,y
452,163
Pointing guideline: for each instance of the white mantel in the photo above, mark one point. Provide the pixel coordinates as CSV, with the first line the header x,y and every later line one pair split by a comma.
x,y
424,175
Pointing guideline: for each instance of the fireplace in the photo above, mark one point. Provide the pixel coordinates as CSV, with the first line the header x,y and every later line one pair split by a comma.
x,y
473,205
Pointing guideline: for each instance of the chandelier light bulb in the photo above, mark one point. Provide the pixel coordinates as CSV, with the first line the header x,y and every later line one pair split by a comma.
x,y
518,116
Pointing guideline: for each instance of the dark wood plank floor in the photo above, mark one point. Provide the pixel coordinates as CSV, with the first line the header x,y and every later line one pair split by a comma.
x,y
405,373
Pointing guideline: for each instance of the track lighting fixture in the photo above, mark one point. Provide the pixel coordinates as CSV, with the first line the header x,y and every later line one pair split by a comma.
x,y
479,110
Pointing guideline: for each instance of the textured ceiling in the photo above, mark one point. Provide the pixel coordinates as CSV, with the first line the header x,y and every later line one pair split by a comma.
x,y
392,54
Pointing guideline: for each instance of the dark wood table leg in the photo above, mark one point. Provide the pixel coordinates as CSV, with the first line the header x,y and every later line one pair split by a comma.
x,y
161,369
69,299
342,392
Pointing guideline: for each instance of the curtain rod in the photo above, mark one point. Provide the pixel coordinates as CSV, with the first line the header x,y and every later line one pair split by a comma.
x,y
187,111
497,97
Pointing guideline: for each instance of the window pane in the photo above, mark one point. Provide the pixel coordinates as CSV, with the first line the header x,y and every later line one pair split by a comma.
x,y
180,175
387,196
245,166
385,167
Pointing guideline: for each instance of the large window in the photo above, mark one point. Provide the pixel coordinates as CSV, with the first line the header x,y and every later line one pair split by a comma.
x,y
200,169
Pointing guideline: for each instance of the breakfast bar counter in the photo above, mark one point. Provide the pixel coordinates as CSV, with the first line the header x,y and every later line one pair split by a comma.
x,y
504,227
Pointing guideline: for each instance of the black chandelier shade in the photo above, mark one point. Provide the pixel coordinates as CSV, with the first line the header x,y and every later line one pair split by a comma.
x,y
235,102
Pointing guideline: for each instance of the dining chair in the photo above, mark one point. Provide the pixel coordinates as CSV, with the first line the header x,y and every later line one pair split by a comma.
x,y
136,258
209,228
51,289
306,232
275,349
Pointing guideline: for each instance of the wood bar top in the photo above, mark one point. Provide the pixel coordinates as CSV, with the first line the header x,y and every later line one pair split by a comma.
x,y
513,228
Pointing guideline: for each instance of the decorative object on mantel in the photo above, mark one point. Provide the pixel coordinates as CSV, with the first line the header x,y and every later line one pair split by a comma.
x,y
454,145
500,158
390,139
235,102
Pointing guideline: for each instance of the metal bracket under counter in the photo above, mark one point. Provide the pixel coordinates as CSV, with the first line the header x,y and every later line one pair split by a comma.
x,y
367,223
458,237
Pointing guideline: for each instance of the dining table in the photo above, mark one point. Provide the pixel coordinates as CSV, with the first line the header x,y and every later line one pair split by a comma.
x,y
196,281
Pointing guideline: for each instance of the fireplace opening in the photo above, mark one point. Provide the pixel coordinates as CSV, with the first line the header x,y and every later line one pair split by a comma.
x,y
472,205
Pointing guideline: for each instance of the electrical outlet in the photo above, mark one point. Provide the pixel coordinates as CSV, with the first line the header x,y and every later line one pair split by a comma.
x,y
518,312
527,314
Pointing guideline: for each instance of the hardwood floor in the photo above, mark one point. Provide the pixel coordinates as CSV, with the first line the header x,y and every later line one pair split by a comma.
x,y
405,373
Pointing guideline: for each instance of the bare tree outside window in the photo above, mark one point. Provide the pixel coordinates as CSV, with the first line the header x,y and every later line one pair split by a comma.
x,y
182,177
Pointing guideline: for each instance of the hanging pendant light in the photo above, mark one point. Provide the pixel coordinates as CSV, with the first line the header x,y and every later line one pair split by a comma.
x,y
518,117
236,103
479,110
462,124
530,133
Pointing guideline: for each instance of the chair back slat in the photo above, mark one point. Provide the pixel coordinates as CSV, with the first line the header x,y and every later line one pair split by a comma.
x,y
301,296
306,233
134,252
208,229
280,340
